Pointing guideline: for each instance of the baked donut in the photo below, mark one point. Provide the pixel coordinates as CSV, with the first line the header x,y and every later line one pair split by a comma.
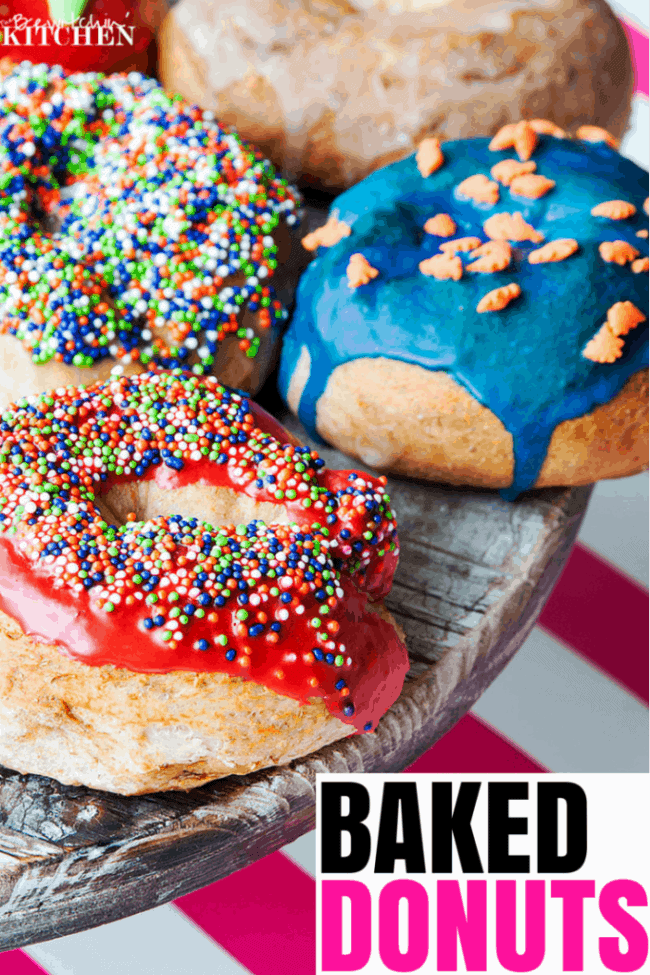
x,y
170,230
477,314
333,90
142,649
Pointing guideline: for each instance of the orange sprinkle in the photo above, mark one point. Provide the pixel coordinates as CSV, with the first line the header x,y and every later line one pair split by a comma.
x,y
640,266
525,140
498,299
520,136
555,250
493,256
440,226
506,170
460,244
442,267
511,226
504,138
531,185
623,316
328,235
603,347
429,156
614,209
645,204
359,271
544,126
593,133
617,252
642,233
606,345
480,189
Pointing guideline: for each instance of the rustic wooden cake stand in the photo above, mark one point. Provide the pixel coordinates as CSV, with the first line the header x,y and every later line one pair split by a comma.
x,y
474,574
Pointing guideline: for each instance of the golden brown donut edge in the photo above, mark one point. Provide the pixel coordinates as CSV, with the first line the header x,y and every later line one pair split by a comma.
x,y
403,419
113,729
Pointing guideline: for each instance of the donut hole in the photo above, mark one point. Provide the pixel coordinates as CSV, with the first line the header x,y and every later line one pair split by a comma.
x,y
215,505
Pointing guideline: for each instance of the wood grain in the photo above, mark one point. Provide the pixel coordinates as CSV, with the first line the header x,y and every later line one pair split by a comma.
x,y
474,574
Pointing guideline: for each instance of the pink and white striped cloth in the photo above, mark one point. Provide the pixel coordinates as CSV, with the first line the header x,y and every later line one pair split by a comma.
x,y
587,662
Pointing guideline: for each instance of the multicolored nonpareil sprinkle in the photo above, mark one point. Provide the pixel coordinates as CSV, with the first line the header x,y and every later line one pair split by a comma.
x,y
232,591
167,222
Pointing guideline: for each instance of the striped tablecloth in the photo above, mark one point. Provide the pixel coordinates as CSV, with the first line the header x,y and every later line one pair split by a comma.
x,y
574,699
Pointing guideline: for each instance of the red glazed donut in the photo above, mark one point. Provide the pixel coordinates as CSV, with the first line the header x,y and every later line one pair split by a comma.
x,y
257,585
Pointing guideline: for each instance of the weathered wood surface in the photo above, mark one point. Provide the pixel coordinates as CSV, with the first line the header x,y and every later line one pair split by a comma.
x,y
474,574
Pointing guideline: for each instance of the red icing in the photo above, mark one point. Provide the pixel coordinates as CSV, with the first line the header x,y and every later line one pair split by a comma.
x,y
85,633
365,651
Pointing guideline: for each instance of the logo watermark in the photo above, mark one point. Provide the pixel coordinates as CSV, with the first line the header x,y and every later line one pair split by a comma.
x,y
21,31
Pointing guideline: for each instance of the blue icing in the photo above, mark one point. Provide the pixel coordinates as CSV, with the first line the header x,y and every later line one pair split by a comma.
x,y
524,363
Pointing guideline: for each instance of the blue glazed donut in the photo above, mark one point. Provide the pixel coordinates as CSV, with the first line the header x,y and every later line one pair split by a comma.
x,y
530,360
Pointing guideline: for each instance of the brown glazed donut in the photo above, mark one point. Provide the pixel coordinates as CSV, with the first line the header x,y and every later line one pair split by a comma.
x,y
185,591
134,229
335,89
